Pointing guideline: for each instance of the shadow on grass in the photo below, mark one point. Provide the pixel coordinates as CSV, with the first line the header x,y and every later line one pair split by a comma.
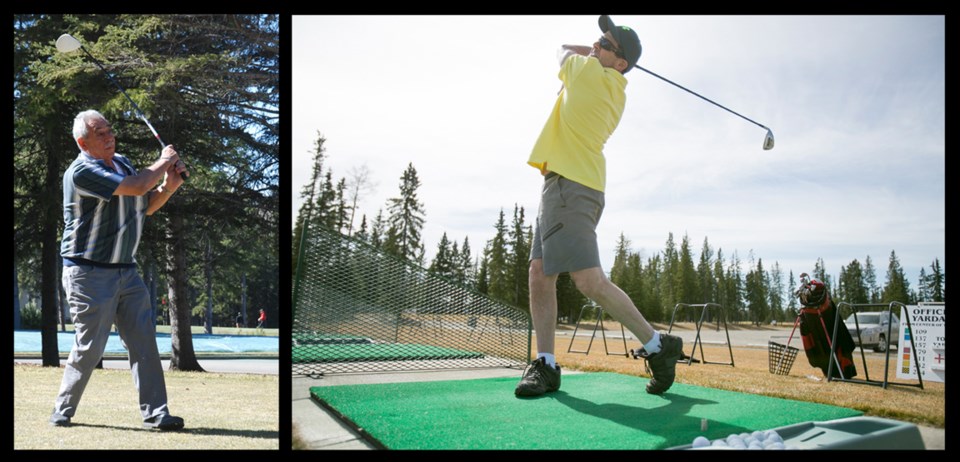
x,y
261,434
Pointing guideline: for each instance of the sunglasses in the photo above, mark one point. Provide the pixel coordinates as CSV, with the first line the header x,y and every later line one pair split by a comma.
x,y
608,45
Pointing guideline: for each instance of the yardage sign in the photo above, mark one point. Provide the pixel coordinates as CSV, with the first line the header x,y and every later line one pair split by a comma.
x,y
929,336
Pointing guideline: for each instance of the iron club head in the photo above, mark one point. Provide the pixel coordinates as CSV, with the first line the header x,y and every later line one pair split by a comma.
x,y
768,141
66,43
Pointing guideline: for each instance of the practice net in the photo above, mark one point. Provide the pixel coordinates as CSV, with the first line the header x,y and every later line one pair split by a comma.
x,y
358,309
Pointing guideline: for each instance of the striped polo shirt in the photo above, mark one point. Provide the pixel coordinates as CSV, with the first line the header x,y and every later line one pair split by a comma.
x,y
100,228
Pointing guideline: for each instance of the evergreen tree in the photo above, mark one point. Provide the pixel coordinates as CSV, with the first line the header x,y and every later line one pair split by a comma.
x,y
922,293
705,274
618,272
308,194
482,283
653,289
633,284
518,258
897,288
870,280
406,219
735,287
853,283
935,282
756,293
362,234
820,273
377,232
497,271
776,292
793,304
442,262
464,263
685,277
720,287
670,276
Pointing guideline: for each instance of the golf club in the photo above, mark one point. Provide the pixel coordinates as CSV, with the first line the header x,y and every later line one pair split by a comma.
x,y
66,43
767,141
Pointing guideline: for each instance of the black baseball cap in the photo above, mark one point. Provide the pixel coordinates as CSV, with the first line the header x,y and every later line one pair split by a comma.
x,y
626,38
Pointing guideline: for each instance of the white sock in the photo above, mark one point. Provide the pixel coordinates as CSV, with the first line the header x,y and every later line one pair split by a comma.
x,y
549,358
653,346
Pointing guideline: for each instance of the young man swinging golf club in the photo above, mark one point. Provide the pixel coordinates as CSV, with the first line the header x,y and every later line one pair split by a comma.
x,y
569,154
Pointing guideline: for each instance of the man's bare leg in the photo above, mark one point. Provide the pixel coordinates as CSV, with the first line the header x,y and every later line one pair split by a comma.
x,y
664,349
595,285
543,306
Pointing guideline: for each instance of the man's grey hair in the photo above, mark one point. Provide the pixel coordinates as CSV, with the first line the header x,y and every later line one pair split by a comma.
x,y
81,125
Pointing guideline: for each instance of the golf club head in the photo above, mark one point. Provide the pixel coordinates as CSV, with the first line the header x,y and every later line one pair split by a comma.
x,y
66,43
768,141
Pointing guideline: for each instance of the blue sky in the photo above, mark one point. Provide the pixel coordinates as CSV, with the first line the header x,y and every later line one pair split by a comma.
x,y
856,103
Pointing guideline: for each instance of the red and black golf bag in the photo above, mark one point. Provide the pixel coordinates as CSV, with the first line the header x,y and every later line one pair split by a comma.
x,y
817,318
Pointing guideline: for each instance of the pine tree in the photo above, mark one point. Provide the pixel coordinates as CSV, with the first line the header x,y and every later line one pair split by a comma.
x,y
464,263
853,283
820,274
618,272
935,282
776,292
922,289
376,231
870,280
482,283
442,264
497,271
517,260
308,195
685,276
897,288
756,293
362,234
668,280
406,219
705,274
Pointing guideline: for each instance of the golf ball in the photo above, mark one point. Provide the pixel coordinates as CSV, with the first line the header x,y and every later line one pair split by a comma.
x,y
701,442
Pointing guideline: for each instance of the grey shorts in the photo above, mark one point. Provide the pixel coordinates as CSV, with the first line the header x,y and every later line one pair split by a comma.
x,y
565,234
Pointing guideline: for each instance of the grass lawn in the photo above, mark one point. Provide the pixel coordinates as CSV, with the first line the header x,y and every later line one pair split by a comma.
x,y
220,411
751,374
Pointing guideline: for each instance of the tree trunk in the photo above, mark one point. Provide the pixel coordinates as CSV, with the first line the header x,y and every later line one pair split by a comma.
x,y
16,298
183,357
49,282
208,277
243,297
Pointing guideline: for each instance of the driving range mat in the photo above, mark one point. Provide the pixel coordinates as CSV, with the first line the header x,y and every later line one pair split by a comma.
x,y
590,411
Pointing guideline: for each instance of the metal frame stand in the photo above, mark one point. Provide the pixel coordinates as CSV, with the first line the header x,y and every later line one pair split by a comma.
x,y
886,371
603,332
704,307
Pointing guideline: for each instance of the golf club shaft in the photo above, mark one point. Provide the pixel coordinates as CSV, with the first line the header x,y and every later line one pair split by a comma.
x,y
699,96
135,107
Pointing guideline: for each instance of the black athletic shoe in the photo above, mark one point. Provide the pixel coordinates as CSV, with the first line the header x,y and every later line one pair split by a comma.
x,y
663,364
165,422
59,420
538,378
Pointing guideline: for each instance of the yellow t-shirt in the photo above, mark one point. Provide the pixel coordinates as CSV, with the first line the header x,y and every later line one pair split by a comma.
x,y
587,112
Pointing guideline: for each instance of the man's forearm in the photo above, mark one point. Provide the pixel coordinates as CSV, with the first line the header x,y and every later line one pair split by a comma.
x,y
157,198
567,50
139,184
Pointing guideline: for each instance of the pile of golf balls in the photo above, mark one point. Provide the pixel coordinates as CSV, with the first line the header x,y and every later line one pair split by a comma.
x,y
768,439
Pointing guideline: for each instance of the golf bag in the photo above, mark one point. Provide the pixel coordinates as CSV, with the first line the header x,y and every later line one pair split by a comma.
x,y
817,318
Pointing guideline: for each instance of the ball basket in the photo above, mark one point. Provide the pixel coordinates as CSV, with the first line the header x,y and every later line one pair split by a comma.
x,y
781,357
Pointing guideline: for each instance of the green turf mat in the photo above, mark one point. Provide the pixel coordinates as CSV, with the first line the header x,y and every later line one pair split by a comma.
x,y
591,411
330,353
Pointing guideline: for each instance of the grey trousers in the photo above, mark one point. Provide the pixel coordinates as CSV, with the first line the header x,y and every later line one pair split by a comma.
x,y
100,297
